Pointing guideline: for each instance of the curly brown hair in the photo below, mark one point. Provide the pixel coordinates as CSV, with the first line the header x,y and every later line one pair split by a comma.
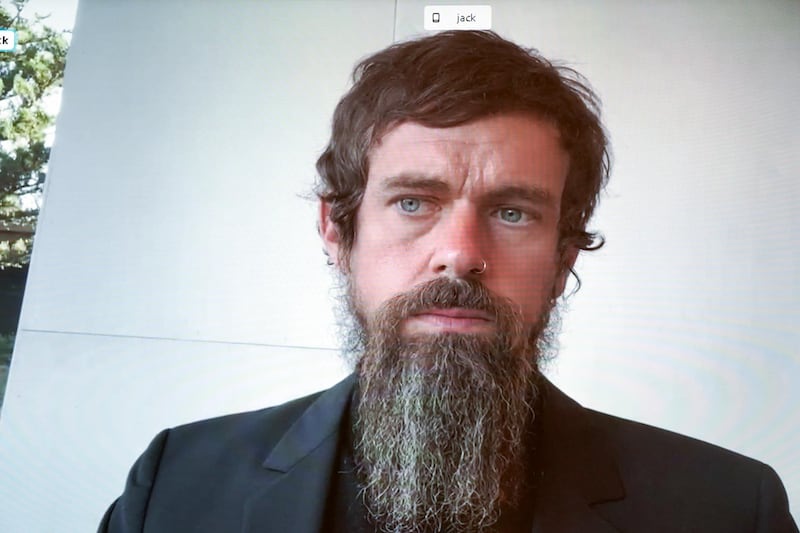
x,y
451,78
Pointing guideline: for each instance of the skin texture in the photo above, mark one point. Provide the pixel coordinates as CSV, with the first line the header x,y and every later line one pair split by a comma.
x,y
453,272
441,201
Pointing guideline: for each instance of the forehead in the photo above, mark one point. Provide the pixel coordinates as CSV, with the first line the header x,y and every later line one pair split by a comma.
x,y
503,149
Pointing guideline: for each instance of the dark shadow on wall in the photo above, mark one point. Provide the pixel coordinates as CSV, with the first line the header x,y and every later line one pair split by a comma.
x,y
12,289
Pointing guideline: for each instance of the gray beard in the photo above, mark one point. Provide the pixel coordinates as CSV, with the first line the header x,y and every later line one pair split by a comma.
x,y
441,418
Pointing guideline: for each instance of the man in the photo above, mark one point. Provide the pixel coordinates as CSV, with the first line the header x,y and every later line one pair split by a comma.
x,y
455,195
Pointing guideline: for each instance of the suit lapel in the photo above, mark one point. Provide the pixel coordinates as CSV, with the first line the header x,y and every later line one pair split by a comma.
x,y
578,470
299,468
577,473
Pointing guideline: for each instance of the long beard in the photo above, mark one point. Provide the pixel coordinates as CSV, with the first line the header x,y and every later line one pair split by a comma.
x,y
441,419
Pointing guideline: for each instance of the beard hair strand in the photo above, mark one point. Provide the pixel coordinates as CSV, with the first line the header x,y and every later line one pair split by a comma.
x,y
441,418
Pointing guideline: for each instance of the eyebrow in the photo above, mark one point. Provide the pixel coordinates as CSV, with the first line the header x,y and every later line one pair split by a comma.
x,y
434,185
532,194
417,182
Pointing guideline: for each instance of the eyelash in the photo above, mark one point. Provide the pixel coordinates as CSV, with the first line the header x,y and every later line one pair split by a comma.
x,y
399,203
532,216
521,212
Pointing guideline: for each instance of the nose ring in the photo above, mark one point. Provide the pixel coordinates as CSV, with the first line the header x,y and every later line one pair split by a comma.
x,y
480,270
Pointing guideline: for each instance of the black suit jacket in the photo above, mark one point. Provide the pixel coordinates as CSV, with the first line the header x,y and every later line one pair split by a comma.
x,y
270,470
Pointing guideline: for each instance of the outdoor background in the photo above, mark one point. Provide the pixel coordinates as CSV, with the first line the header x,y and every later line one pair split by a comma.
x,y
177,273
31,76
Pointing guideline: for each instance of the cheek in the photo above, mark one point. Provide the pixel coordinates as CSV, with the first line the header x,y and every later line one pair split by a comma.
x,y
529,280
379,272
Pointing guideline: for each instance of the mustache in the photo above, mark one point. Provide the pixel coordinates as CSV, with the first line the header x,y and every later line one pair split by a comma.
x,y
444,293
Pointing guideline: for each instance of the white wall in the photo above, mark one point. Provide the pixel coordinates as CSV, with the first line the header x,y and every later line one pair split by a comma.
x,y
177,274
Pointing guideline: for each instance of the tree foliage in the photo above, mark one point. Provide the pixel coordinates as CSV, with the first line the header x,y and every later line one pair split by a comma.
x,y
28,76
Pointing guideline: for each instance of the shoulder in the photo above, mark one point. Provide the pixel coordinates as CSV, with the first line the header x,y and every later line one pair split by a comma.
x,y
643,478
630,436
195,476
205,447
663,471
234,442
640,450
260,429
641,445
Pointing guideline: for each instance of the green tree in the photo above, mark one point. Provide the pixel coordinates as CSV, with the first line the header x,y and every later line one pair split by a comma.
x,y
28,77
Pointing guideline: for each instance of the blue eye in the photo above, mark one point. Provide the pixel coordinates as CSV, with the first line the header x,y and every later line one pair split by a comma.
x,y
410,205
511,215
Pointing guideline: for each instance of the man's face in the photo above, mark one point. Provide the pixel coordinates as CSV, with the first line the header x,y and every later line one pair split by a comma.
x,y
442,201
451,278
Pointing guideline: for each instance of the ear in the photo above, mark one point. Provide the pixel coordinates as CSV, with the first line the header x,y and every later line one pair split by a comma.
x,y
328,232
570,255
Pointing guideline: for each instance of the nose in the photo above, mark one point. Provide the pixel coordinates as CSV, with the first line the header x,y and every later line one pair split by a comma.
x,y
460,244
